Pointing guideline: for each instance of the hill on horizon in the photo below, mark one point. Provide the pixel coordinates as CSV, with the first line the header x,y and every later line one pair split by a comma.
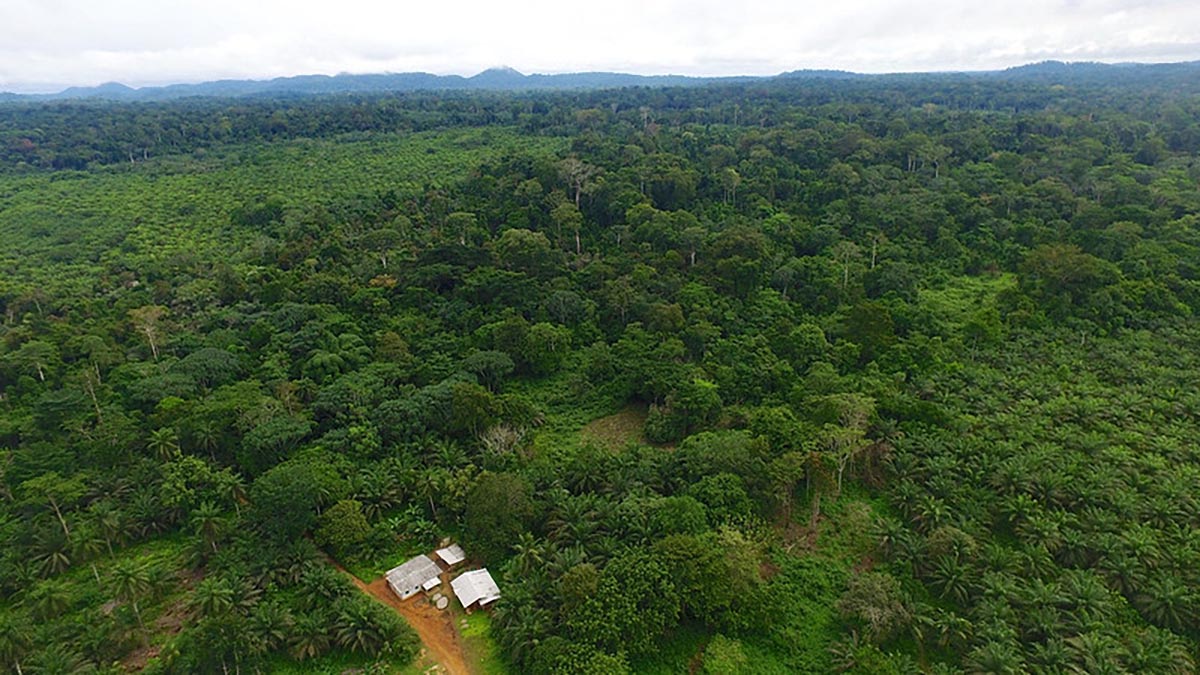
x,y
509,79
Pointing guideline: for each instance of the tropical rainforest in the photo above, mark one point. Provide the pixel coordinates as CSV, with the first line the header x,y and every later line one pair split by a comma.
x,y
873,375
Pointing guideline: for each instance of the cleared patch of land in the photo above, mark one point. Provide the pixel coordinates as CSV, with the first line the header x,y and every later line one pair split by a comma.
x,y
617,430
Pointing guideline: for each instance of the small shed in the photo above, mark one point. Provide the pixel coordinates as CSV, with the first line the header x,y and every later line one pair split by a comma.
x,y
451,555
413,576
475,587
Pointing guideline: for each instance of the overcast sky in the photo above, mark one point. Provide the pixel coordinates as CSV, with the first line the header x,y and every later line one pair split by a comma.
x,y
140,42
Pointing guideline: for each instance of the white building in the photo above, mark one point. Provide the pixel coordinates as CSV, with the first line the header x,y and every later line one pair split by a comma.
x,y
417,574
476,586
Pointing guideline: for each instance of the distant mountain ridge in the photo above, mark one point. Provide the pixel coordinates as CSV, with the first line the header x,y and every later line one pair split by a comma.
x,y
509,79
493,79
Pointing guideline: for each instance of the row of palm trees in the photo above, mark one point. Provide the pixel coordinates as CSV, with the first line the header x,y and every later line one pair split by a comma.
x,y
240,623
1056,520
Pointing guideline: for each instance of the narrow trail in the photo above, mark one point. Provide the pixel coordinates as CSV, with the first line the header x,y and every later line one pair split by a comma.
x,y
435,627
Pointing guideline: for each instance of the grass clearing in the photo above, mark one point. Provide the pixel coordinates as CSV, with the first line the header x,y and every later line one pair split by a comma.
x,y
482,650
619,429
962,297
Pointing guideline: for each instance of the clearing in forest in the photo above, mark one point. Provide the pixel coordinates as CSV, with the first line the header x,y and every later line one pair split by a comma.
x,y
619,429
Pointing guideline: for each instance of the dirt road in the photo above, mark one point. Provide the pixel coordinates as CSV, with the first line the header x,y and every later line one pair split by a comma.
x,y
435,627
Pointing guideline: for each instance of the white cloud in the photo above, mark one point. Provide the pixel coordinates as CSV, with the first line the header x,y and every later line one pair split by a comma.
x,y
155,41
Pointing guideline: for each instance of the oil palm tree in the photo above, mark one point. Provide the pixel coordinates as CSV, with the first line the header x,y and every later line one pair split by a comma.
x,y
1051,655
16,639
995,658
163,444
147,513
130,580
88,545
52,552
214,597
208,523
530,554
1091,598
1166,601
48,599
309,637
358,631
232,488
206,436
59,659
109,522
270,624
321,586
524,625
1124,573
1095,654
289,566
952,579
575,521
378,492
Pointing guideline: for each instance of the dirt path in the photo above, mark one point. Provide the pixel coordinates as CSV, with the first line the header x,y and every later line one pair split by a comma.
x,y
435,627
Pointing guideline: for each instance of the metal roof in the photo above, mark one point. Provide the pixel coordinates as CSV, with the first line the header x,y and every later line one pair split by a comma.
x,y
452,554
475,586
412,575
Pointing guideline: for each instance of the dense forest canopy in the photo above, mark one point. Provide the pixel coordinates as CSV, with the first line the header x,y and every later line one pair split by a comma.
x,y
865,374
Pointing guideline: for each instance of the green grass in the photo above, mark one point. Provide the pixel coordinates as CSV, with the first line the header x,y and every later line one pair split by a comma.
x,y
566,412
617,430
481,649
961,297
763,661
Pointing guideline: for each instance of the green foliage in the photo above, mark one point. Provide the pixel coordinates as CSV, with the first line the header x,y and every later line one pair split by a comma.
x,y
342,527
873,603
520,250
724,656
557,655
498,509
286,498
636,601
922,351
677,515
798,617
691,406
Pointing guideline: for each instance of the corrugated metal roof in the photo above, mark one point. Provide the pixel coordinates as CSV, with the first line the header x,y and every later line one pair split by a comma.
x,y
412,575
452,554
475,586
